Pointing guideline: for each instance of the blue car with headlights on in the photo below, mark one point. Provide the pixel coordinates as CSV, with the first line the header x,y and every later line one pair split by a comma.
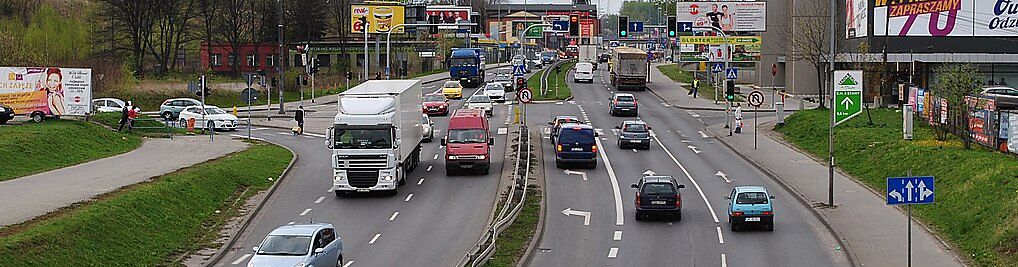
x,y
300,246
750,206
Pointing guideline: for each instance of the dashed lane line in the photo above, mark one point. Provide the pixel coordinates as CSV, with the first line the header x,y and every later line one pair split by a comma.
x,y
348,264
408,197
686,172
305,212
241,259
613,252
393,217
319,200
721,240
373,239
617,236
421,181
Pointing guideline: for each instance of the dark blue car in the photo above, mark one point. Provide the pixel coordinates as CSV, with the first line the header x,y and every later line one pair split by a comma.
x,y
576,144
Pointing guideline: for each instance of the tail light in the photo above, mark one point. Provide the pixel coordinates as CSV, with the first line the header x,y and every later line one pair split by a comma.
x,y
768,213
737,213
558,148
637,199
634,102
593,148
615,103
678,200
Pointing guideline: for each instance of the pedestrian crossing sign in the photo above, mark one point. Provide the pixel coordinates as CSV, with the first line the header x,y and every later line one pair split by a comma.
x,y
519,70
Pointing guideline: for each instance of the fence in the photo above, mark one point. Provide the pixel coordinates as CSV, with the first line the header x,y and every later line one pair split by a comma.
x,y
983,122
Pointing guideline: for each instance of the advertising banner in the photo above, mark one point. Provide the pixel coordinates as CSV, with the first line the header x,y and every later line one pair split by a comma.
x,y
727,16
1012,133
535,32
981,120
961,18
378,18
447,15
53,91
920,101
856,18
708,48
587,27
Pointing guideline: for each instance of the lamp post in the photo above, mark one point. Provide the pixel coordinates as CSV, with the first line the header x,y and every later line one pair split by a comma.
x,y
388,38
724,36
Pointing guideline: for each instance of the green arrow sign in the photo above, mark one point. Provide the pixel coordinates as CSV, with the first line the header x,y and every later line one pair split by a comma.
x,y
847,95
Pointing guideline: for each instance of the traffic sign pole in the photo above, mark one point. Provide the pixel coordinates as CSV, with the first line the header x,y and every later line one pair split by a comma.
x,y
755,100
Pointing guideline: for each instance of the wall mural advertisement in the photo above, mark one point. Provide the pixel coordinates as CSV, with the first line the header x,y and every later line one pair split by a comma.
x,y
50,90
727,16
959,18
856,18
379,19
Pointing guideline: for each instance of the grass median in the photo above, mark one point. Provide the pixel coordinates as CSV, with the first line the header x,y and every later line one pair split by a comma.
x,y
513,242
33,148
558,89
147,224
706,91
976,188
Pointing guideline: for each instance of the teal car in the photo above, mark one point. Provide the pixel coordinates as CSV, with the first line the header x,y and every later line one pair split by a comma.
x,y
750,206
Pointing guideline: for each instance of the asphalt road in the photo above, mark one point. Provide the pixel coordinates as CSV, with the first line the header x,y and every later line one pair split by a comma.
x,y
433,221
703,237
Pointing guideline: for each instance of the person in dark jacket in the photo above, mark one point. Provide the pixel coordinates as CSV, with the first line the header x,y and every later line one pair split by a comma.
x,y
299,117
123,116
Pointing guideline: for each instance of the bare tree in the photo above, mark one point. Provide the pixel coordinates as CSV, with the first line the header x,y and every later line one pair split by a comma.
x,y
808,35
234,29
339,23
131,22
208,11
171,31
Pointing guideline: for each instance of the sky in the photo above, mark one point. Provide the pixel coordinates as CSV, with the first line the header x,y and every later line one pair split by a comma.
x,y
613,6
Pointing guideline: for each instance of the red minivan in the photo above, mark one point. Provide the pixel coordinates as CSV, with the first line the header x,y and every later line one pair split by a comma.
x,y
467,142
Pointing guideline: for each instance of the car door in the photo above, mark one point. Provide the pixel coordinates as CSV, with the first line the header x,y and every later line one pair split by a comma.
x,y
333,247
318,259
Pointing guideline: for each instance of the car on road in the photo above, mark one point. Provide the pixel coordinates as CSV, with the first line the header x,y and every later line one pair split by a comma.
x,y
299,245
620,104
6,114
452,89
495,91
429,128
467,142
549,57
504,78
1004,97
576,144
482,102
750,205
584,72
108,105
170,109
436,104
214,118
557,122
658,195
635,133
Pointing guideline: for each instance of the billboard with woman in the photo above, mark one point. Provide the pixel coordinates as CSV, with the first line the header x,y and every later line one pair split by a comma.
x,y
50,90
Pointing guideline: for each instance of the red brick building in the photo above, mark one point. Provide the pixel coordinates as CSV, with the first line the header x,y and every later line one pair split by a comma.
x,y
252,57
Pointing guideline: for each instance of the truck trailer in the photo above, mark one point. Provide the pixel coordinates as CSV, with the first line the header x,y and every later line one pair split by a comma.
x,y
628,67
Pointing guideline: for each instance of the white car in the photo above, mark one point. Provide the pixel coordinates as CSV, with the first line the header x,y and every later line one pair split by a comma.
x,y
584,72
215,118
482,102
429,128
495,91
108,105
505,79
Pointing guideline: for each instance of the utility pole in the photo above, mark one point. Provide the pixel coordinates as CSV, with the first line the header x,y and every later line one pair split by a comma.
x,y
830,84
282,58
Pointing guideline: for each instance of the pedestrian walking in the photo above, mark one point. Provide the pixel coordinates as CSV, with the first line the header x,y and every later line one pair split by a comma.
x,y
299,117
132,115
124,116
696,87
738,117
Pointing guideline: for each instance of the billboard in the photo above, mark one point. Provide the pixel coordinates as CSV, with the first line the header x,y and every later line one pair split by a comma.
x,y
378,18
447,15
51,90
708,48
856,18
727,16
520,25
958,18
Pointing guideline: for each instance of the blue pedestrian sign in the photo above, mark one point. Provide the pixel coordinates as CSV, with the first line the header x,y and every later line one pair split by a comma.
x,y
732,73
717,67
685,27
910,190
519,70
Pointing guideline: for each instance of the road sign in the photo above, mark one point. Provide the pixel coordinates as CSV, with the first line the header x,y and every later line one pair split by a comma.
x,y
910,190
717,67
756,98
685,27
249,95
525,95
732,73
636,26
519,70
613,44
559,25
847,95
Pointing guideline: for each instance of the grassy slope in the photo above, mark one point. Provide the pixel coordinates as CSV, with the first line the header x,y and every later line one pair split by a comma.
x,y
706,90
38,147
150,100
976,189
148,223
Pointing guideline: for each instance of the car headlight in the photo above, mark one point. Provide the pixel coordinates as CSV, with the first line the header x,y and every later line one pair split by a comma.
x,y
387,178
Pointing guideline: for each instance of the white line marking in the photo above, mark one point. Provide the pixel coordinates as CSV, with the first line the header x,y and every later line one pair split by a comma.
x,y
685,141
619,220
241,259
394,214
613,252
617,236
724,261
290,223
634,150
695,150
245,137
703,135
373,239
308,137
721,239
686,172
723,176
429,168
315,135
319,201
348,264
572,172
436,157
408,198
305,212
282,133
259,129
420,181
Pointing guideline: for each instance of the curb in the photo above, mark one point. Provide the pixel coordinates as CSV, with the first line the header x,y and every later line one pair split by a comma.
x,y
250,217
528,255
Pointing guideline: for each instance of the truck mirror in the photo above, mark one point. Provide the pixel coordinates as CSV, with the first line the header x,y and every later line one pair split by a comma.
x,y
328,137
633,186
491,141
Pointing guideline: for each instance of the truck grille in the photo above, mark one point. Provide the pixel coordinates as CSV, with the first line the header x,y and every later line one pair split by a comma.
x,y
363,179
374,162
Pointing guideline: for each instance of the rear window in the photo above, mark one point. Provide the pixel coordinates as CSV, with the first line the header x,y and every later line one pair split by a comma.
x,y
658,189
751,198
625,98
635,128
575,135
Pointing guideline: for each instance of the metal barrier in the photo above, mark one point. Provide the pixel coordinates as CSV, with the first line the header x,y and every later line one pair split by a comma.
x,y
155,123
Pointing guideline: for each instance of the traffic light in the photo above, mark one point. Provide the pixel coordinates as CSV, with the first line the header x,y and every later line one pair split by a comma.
x,y
730,90
349,75
521,83
672,26
623,26
574,25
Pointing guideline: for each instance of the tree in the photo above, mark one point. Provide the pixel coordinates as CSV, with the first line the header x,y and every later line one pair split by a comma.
x,y
808,35
234,29
208,11
131,22
172,30
955,82
339,24
307,20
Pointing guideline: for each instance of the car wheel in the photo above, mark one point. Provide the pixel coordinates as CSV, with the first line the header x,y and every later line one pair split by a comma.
x,y
37,117
167,115
592,165
3,121
559,165
735,225
647,147
485,171
678,216
339,193
619,142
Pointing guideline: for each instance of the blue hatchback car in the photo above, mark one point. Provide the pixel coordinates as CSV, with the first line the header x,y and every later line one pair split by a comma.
x,y
300,245
576,144
750,205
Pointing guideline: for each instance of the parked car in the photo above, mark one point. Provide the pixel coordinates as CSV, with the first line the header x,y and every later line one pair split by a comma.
x,y
108,105
750,205
482,102
300,245
495,91
215,118
556,124
429,128
170,109
576,144
623,104
436,104
6,114
1005,97
658,195
452,89
634,134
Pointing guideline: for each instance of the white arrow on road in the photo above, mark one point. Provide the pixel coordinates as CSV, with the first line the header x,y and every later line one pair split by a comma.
x,y
585,214
695,150
847,102
723,176
923,192
909,188
896,195
649,173
572,172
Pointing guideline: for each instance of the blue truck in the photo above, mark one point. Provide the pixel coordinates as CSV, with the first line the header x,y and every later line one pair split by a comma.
x,y
467,66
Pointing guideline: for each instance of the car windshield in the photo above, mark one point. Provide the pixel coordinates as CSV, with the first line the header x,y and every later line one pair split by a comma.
x,y
363,137
434,98
548,54
576,135
460,136
285,245
657,189
214,111
636,127
751,198
479,99
450,84
461,62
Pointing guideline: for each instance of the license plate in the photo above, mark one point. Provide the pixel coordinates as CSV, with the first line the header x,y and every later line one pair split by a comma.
x,y
753,219
363,190
577,149
625,109
658,202
635,141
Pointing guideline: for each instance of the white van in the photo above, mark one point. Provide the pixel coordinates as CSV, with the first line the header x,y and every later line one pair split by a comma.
x,y
584,72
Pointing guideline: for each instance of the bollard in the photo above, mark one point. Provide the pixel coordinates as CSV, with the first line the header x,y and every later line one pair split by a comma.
x,y
779,108
234,111
906,120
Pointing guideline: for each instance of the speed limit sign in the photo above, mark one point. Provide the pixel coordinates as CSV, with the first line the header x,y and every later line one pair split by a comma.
x,y
525,95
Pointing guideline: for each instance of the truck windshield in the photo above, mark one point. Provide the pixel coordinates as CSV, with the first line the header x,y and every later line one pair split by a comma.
x,y
363,138
461,62
461,136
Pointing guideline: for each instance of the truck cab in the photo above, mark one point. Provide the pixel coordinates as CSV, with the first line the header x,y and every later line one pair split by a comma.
x,y
468,142
467,66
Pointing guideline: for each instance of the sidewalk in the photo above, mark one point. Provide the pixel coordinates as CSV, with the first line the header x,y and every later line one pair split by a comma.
x,y
35,195
676,94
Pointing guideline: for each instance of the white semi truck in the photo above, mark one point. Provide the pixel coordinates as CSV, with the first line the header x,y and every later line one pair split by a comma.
x,y
376,136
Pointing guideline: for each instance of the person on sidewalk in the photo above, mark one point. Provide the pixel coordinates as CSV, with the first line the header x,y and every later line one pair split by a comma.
x,y
299,117
696,87
738,117
124,116
131,116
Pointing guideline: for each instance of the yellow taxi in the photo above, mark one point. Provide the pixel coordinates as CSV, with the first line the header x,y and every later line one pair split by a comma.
x,y
452,89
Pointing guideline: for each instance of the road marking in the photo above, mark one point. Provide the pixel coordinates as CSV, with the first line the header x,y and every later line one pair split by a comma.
x,y
282,133
436,157
503,131
570,212
721,239
694,149
634,150
245,137
686,172
723,176
373,239
572,172
348,264
319,201
241,259
665,104
420,181
615,131
394,214
290,223
429,168
613,252
703,135
308,137
619,220
315,135
685,141
408,197
724,261
259,129
305,212
617,236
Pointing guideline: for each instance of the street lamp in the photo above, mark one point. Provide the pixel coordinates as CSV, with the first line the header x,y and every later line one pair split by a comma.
x,y
388,38
724,85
